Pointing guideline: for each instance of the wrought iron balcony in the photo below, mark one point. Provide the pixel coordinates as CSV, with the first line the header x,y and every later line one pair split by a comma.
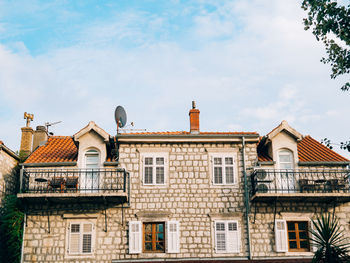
x,y
302,183
67,184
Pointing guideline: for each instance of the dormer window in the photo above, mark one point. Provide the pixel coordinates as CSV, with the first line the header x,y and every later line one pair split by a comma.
x,y
285,158
90,181
92,159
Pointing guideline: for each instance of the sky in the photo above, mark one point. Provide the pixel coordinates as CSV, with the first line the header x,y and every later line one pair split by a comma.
x,y
247,64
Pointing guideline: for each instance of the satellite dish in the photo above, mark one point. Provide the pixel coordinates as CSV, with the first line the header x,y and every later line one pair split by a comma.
x,y
120,116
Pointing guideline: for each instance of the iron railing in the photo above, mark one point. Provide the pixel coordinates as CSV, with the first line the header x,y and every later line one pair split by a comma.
x,y
73,180
300,181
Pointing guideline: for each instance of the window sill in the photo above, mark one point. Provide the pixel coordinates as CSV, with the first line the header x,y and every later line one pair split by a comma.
x,y
299,253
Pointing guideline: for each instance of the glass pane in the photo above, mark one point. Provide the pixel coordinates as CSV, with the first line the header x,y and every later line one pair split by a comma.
x,y
218,175
148,175
148,246
87,243
160,246
148,228
220,241
229,175
232,226
293,244
228,160
148,236
302,225
160,228
302,235
220,227
75,228
148,161
291,235
160,175
160,237
217,161
159,160
304,244
285,158
290,226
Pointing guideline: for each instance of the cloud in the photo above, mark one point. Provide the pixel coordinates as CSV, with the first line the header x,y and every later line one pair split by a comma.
x,y
248,65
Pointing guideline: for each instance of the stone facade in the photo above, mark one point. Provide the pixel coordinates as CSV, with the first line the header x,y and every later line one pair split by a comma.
x,y
8,172
188,196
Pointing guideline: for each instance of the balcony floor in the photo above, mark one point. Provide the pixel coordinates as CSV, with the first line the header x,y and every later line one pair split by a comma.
x,y
301,197
59,198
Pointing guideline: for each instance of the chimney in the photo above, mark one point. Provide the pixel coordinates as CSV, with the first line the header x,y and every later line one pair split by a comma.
x,y
27,137
194,119
40,136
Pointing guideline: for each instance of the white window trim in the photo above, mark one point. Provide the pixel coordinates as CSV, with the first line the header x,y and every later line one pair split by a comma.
x,y
239,244
154,155
235,168
68,254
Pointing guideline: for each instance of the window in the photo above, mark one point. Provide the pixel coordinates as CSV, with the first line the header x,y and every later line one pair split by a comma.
x,y
285,158
292,236
154,237
298,239
80,238
223,170
227,237
91,179
154,170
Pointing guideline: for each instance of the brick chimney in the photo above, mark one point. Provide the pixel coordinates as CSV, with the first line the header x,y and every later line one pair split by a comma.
x,y
27,137
40,136
194,119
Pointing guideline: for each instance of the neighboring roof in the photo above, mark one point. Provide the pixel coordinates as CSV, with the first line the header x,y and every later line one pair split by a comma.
x,y
310,150
8,150
56,149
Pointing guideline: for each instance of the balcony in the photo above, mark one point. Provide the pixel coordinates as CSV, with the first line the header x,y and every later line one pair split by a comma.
x,y
74,186
300,185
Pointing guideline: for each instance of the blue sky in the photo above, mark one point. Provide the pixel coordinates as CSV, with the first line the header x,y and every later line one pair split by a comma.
x,y
248,64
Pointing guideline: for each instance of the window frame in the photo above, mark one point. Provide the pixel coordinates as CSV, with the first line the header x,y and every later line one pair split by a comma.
x,y
223,156
81,233
297,236
284,152
153,237
154,156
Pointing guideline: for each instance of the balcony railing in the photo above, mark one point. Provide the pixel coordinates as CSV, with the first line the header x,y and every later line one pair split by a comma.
x,y
300,181
73,180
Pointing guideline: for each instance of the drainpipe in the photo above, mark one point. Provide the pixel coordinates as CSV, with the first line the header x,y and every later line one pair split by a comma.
x,y
24,232
246,198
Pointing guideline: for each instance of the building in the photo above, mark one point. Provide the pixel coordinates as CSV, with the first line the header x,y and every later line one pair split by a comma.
x,y
8,172
93,197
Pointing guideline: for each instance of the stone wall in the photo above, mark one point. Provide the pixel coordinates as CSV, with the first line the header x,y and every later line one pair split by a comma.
x,y
188,197
8,174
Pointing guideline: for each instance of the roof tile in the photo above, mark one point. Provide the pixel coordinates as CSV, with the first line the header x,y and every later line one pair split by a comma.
x,y
56,149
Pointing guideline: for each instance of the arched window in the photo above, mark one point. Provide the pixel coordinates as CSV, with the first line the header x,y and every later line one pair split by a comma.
x,y
92,159
285,159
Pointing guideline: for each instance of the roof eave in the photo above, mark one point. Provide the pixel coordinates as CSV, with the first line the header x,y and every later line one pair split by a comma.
x,y
326,163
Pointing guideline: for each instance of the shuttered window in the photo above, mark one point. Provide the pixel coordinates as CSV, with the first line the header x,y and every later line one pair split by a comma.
x,y
173,237
227,237
135,232
80,238
292,236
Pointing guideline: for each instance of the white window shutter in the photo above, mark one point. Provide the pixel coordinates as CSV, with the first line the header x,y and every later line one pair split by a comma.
x,y
173,237
233,237
281,236
313,246
135,237
220,236
87,238
74,239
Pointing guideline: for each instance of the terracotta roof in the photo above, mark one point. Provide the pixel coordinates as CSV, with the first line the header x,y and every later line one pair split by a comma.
x,y
187,133
1,143
56,149
310,150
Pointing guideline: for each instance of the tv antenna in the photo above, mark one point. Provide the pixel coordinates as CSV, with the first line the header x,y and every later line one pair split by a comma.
x,y
48,124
